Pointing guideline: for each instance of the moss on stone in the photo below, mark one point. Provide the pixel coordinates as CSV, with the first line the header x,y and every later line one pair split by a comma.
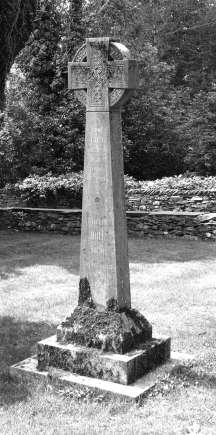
x,y
113,330
85,297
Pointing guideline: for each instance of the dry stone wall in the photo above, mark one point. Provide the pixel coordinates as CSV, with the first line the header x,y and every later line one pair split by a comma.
x,y
173,202
9,199
189,225
41,220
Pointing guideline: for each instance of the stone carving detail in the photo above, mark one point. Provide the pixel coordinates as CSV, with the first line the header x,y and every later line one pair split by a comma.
x,y
98,82
115,73
81,56
79,76
118,51
105,73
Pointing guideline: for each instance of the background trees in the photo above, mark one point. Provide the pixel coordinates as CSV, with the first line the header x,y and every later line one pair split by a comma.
x,y
15,27
169,124
43,121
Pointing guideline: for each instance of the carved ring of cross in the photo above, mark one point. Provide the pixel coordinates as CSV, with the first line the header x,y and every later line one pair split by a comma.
x,y
117,55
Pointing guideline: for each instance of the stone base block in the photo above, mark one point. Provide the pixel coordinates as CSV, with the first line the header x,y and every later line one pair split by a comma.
x,y
26,371
120,368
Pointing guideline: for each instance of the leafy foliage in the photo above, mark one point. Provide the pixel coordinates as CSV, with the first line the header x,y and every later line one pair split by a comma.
x,y
175,40
44,122
66,190
152,146
177,185
199,132
16,25
187,37
48,189
168,127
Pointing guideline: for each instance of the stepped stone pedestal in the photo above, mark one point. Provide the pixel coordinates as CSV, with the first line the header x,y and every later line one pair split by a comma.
x,y
104,339
109,366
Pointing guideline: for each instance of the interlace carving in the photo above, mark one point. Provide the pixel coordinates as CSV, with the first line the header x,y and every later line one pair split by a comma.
x,y
100,80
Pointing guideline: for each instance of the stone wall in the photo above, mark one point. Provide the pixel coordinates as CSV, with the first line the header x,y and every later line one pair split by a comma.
x,y
41,220
173,202
205,203
189,225
9,199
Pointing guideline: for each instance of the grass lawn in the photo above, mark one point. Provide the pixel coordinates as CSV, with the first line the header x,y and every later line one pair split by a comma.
x,y
173,282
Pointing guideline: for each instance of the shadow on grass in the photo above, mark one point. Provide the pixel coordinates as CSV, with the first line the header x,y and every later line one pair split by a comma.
x,y
9,272
171,250
20,250
18,341
194,377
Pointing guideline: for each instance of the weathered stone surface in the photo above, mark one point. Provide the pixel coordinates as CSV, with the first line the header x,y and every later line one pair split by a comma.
x,y
123,369
104,80
103,254
110,330
26,371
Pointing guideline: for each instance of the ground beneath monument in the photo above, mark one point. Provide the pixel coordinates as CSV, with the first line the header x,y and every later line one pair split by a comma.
x,y
172,284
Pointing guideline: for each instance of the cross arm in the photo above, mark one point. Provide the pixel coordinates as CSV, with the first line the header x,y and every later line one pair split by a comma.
x,y
122,74
78,73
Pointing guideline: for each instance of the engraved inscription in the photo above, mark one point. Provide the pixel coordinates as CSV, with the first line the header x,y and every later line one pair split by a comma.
x,y
96,235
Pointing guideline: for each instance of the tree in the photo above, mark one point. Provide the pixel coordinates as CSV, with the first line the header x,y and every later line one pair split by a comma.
x,y
151,145
187,37
44,123
198,131
15,27
48,133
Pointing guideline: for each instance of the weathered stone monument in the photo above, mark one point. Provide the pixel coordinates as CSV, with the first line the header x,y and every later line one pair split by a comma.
x,y
104,338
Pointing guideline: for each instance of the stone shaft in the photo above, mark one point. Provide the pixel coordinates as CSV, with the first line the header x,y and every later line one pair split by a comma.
x,y
104,256
106,83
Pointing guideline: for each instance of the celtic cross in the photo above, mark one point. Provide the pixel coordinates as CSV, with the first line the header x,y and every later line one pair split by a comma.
x,y
101,76
103,84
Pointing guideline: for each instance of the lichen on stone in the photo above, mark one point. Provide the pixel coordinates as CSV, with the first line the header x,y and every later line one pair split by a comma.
x,y
85,297
112,330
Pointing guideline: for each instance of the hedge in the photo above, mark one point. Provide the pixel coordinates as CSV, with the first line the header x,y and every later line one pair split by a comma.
x,y
66,190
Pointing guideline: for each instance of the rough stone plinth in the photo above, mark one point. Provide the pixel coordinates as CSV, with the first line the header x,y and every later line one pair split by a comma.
x,y
109,366
110,330
26,372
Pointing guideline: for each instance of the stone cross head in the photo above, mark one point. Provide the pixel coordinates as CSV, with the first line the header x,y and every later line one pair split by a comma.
x,y
101,79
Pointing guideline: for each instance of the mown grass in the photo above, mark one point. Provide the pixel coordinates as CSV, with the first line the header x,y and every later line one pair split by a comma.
x,y
173,283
